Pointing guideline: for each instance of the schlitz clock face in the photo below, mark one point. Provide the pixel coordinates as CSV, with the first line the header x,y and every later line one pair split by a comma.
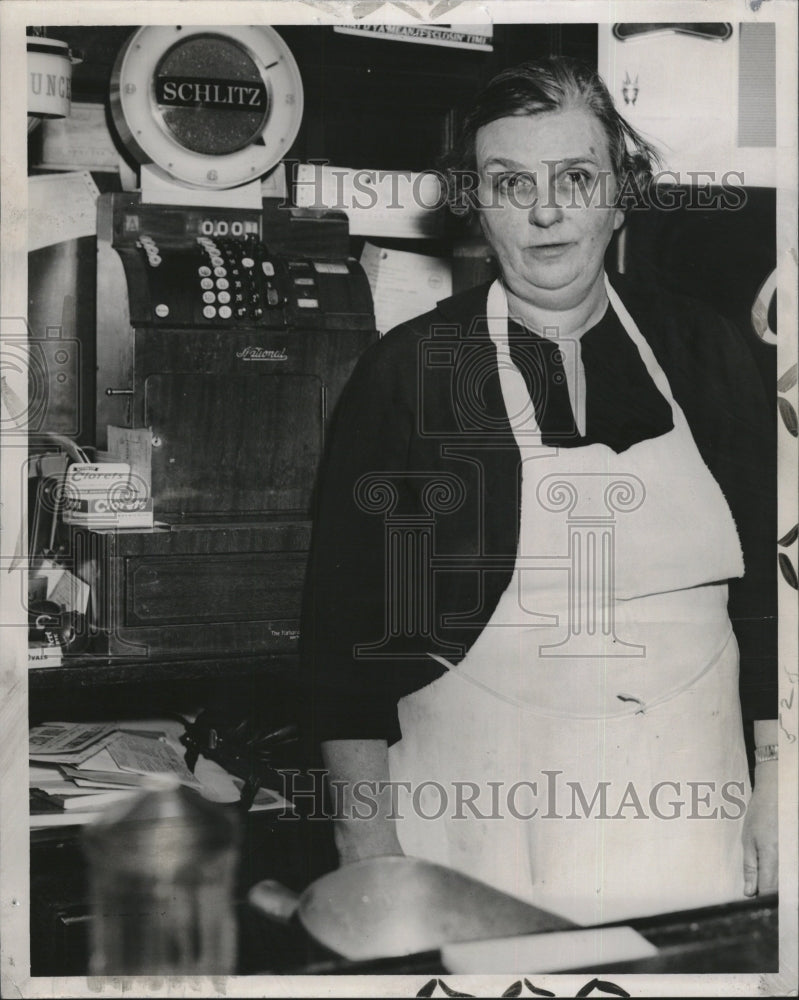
x,y
211,107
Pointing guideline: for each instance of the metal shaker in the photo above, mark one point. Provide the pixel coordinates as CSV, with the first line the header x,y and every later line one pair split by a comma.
x,y
162,869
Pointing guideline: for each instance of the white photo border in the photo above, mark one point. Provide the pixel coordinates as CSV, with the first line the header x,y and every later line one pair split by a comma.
x,y
15,977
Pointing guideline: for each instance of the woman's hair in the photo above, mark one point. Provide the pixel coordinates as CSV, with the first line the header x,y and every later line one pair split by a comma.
x,y
554,83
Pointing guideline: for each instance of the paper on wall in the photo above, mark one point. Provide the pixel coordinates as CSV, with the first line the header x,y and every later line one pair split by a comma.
x,y
460,36
61,207
397,203
134,446
656,76
404,284
80,140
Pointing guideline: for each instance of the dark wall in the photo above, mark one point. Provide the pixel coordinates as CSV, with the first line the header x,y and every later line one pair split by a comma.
x,y
368,102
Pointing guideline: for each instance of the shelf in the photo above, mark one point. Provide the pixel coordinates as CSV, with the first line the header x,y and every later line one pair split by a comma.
x,y
89,672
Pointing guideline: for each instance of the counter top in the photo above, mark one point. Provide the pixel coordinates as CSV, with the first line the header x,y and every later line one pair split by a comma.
x,y
740,937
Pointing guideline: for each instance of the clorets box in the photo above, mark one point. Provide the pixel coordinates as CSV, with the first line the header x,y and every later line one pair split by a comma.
x,y
106,495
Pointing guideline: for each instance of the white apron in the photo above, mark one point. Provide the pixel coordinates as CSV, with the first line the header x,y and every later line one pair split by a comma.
x,y
587,754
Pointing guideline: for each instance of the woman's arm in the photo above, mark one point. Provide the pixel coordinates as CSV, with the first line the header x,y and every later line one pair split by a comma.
x,y
362,799
762,815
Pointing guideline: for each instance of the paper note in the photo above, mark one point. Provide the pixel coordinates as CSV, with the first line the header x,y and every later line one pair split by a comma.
x,y
404,284
82,139
61,207
70,593
134,446
85,775
460,36
147,756
396,203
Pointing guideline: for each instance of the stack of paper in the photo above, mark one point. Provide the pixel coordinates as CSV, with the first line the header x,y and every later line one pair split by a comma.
x,y
77,769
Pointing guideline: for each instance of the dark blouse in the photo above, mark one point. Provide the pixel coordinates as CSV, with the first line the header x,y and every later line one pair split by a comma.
x,y
422,472
623,406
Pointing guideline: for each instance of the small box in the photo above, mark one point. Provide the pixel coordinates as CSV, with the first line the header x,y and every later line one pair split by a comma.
x,y
106,495
44,654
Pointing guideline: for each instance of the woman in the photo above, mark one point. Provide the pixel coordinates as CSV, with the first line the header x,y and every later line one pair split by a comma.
x,y
535,502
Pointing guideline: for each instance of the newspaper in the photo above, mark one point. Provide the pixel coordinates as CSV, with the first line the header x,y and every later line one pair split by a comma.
x,y
67,742
140,755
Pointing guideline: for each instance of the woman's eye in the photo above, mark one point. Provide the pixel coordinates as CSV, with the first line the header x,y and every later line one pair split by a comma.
x,y
577,186
576,178
516,182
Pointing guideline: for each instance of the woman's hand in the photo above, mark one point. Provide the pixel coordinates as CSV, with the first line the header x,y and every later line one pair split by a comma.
x,y
760,832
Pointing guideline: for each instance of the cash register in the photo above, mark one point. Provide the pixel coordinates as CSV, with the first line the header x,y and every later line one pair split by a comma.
x,y
227,324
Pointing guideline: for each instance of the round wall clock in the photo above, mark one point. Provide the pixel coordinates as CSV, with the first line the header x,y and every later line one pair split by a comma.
x,y
211,107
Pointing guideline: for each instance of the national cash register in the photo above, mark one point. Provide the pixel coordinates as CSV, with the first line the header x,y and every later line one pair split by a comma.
x,y
227,326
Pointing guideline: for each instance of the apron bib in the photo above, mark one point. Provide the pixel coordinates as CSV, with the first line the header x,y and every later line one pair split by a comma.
x,y
587,754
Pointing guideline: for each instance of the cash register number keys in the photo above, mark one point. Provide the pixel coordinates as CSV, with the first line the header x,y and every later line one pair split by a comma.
x,y
236,279
233,260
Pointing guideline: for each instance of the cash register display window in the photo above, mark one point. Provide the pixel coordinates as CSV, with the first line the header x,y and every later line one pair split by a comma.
x,y
210,95
245,445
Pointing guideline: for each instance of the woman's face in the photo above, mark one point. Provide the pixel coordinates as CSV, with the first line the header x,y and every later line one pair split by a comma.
x,y
546,191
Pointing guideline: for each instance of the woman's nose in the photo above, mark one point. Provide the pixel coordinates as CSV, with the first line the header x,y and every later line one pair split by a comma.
x,y
546,211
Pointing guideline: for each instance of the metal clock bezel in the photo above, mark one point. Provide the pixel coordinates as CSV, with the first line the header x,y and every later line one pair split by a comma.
x,y
149,140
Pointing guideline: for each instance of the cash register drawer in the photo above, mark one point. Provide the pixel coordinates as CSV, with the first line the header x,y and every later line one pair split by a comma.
x,y
234,586
195,588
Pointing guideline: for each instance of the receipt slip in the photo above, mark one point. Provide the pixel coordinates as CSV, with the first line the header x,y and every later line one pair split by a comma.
x,y
557,951
396,203
106,495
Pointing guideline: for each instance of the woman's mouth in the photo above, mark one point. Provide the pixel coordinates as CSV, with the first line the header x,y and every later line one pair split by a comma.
x,y
547,251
